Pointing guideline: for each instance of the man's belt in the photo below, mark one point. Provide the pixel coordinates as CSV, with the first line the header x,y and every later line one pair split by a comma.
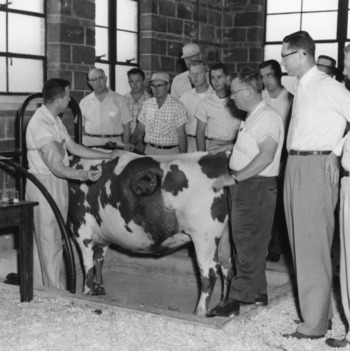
x,y
346,173
163,146
103,135
308,153
194,136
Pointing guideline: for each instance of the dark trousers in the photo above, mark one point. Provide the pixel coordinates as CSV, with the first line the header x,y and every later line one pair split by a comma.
x,y
253,207
279,235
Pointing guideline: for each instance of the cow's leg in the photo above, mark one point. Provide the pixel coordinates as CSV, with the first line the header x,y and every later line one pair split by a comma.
x,y
87,252
205,247
224,259
99,256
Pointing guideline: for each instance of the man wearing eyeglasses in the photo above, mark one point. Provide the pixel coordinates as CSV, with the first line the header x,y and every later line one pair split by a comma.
x,y
162,120
253,190
106,117
191,99
320,109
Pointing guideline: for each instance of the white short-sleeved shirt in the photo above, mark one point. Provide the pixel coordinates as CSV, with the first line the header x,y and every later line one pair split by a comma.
x,y
221,124
161,123
320,109
180,85
262,123
106,117
43,128
191,100
282,103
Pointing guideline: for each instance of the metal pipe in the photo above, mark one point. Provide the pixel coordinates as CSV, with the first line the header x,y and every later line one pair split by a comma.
x,y
67,246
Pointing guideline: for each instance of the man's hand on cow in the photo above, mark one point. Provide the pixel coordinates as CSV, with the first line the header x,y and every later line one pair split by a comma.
x,y
221,148
223,181
129,147
114,154
94,175
332,167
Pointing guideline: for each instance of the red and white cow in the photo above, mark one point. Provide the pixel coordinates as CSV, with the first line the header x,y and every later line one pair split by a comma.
x,y
153,204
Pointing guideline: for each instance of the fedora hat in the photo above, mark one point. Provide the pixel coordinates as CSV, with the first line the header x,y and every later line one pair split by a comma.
x,y
160,76
326,61
190,50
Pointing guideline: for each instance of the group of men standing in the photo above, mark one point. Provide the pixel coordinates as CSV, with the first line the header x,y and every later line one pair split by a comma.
x,y
198,115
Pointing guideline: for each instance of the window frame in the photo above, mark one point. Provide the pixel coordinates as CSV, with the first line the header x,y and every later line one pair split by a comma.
x,y
112,29
9,55
341,34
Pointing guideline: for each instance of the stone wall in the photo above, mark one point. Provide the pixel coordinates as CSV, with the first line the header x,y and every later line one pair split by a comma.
x,y
230,31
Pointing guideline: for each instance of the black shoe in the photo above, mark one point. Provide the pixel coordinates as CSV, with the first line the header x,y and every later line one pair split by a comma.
x,y
261,300
228,308
12,278
298,335
273,257
337,343
329,324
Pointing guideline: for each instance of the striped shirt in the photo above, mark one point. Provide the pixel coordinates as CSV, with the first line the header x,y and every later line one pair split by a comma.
x,y
135,107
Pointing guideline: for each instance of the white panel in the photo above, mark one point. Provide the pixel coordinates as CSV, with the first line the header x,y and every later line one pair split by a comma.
x,y
126,46
32,70
321,25
101,17
278,26
320,5
26,34
280,6
127,15
28,5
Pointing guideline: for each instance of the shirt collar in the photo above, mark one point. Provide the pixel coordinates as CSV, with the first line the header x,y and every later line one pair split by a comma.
x,y
307,77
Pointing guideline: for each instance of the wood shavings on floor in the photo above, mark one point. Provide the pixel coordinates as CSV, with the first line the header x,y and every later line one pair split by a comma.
x,y
58,323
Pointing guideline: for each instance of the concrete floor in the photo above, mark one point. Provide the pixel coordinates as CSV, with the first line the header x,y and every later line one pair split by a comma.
x,y
169,286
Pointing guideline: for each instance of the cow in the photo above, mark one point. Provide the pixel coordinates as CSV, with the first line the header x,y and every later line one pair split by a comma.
x,y
153,205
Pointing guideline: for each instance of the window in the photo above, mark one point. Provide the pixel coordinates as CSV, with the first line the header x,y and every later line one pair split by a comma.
x,y
117,40
22,51
326,21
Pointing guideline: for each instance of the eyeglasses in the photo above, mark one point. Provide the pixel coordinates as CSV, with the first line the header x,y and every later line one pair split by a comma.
x,y
94,80
158,86
286,55
195,74
233,93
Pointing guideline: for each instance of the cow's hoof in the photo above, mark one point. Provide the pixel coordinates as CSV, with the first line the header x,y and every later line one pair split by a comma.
x,y
98,290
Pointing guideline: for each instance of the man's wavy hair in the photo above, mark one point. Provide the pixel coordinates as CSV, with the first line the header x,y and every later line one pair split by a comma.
x,y
301,40
250,77
55,88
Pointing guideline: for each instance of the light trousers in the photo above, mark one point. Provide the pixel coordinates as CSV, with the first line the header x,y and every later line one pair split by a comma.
x,y
310,201
48,249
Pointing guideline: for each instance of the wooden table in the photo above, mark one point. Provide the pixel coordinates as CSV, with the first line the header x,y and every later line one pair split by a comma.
x,y
20,215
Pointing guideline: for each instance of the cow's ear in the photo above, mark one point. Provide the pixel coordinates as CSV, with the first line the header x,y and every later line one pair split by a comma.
x,y
145,183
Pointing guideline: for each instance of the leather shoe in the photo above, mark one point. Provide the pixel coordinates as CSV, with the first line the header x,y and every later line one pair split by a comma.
x,y
226,309
298,335
337,343
12,278
329,324
261,300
